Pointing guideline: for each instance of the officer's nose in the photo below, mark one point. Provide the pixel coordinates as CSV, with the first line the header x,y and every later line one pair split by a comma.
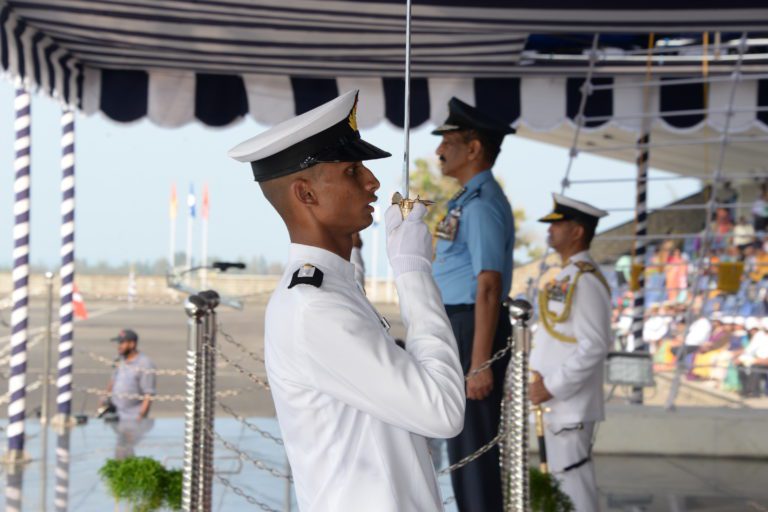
x,y
371,183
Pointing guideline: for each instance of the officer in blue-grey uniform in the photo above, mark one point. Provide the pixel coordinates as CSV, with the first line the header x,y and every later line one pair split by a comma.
x,y
354,408
473,269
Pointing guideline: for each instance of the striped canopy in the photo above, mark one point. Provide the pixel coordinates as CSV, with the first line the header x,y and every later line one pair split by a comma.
x,y
215,61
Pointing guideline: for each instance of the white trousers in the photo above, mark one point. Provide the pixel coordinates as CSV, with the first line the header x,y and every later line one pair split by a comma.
x,y
567,445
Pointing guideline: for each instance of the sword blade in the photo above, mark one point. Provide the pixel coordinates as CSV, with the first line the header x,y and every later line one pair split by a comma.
x,y
407,115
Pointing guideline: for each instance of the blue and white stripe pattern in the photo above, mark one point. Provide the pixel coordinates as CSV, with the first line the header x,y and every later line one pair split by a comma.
x,y
19,315
14,486
67,273
641,230
61,496
34,59
217,62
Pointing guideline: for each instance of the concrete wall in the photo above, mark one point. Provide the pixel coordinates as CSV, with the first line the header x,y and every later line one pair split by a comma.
x,y
153,288
147,287
685,432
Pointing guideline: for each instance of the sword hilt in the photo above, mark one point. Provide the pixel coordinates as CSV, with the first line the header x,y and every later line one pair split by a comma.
x,y
406,204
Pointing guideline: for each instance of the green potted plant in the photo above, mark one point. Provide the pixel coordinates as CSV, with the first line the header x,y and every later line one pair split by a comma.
x,y
546,495
144,483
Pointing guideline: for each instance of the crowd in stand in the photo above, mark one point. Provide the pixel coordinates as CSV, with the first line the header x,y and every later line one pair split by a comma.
x,y
727,341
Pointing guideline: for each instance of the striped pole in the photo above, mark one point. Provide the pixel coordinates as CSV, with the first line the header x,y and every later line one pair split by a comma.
x,y
14,484
61,497
17,382
641,230
641,217
64,380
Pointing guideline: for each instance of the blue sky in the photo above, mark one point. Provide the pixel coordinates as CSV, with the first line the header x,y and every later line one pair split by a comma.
x,y
124,173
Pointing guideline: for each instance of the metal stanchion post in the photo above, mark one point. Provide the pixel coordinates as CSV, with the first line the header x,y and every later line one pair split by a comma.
x,y
515,413
288,498
190,499
208,386
44,408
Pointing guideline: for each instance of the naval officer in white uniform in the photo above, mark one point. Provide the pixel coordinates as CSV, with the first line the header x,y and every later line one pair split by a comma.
x,y
355,410
569,350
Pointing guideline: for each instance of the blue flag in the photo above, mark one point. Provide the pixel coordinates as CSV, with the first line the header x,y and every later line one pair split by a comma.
x,y
191,201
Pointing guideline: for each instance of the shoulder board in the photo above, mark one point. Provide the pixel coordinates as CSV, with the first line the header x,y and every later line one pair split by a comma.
x,y
473,195
307,274
585,266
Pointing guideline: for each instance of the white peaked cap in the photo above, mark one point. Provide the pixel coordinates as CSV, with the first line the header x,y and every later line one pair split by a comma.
x,y
327,133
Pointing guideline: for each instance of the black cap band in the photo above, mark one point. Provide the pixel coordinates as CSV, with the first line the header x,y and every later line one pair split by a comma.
x,y
339,143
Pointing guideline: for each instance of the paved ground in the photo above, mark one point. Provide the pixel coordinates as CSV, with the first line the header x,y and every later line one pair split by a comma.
x,y
162,330
627,484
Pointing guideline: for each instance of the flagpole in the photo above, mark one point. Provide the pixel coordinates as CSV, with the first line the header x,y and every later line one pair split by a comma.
x,y
172,216
190,220
204,255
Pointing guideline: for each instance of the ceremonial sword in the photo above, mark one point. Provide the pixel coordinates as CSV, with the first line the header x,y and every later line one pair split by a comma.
x,y
538,412
404,199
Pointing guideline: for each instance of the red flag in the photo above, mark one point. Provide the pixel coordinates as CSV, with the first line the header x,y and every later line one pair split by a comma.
x,y
173,207
206,205
78,304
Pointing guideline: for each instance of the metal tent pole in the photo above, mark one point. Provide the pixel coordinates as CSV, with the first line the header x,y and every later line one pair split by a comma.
x,y
680,367
44,409
586,91
641,223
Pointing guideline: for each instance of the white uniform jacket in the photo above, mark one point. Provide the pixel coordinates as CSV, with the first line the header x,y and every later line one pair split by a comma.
x,y
571,343
354,408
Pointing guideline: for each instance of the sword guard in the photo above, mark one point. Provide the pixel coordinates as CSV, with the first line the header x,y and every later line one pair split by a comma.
x,y
406,205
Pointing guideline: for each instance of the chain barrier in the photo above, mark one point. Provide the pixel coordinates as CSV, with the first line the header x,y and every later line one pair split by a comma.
x,y
474,456
114,364
228,337
260,381
5,397
155,398
498,355
34,340
247,458
249,425
247,497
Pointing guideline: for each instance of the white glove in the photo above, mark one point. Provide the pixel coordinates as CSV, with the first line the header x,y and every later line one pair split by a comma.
x,y
409,244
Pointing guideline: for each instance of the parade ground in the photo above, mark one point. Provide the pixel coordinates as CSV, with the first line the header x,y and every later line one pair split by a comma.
x,y
630,476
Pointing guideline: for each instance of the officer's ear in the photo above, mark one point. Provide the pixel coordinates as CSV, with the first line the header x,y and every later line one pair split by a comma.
x,y
303,191
475,149
578,231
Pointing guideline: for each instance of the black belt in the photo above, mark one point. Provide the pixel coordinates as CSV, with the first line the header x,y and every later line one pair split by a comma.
x,y
578,464
458,308
463,308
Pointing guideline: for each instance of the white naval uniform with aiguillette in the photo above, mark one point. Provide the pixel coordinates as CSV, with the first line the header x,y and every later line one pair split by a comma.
x,y
354,408
569,350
